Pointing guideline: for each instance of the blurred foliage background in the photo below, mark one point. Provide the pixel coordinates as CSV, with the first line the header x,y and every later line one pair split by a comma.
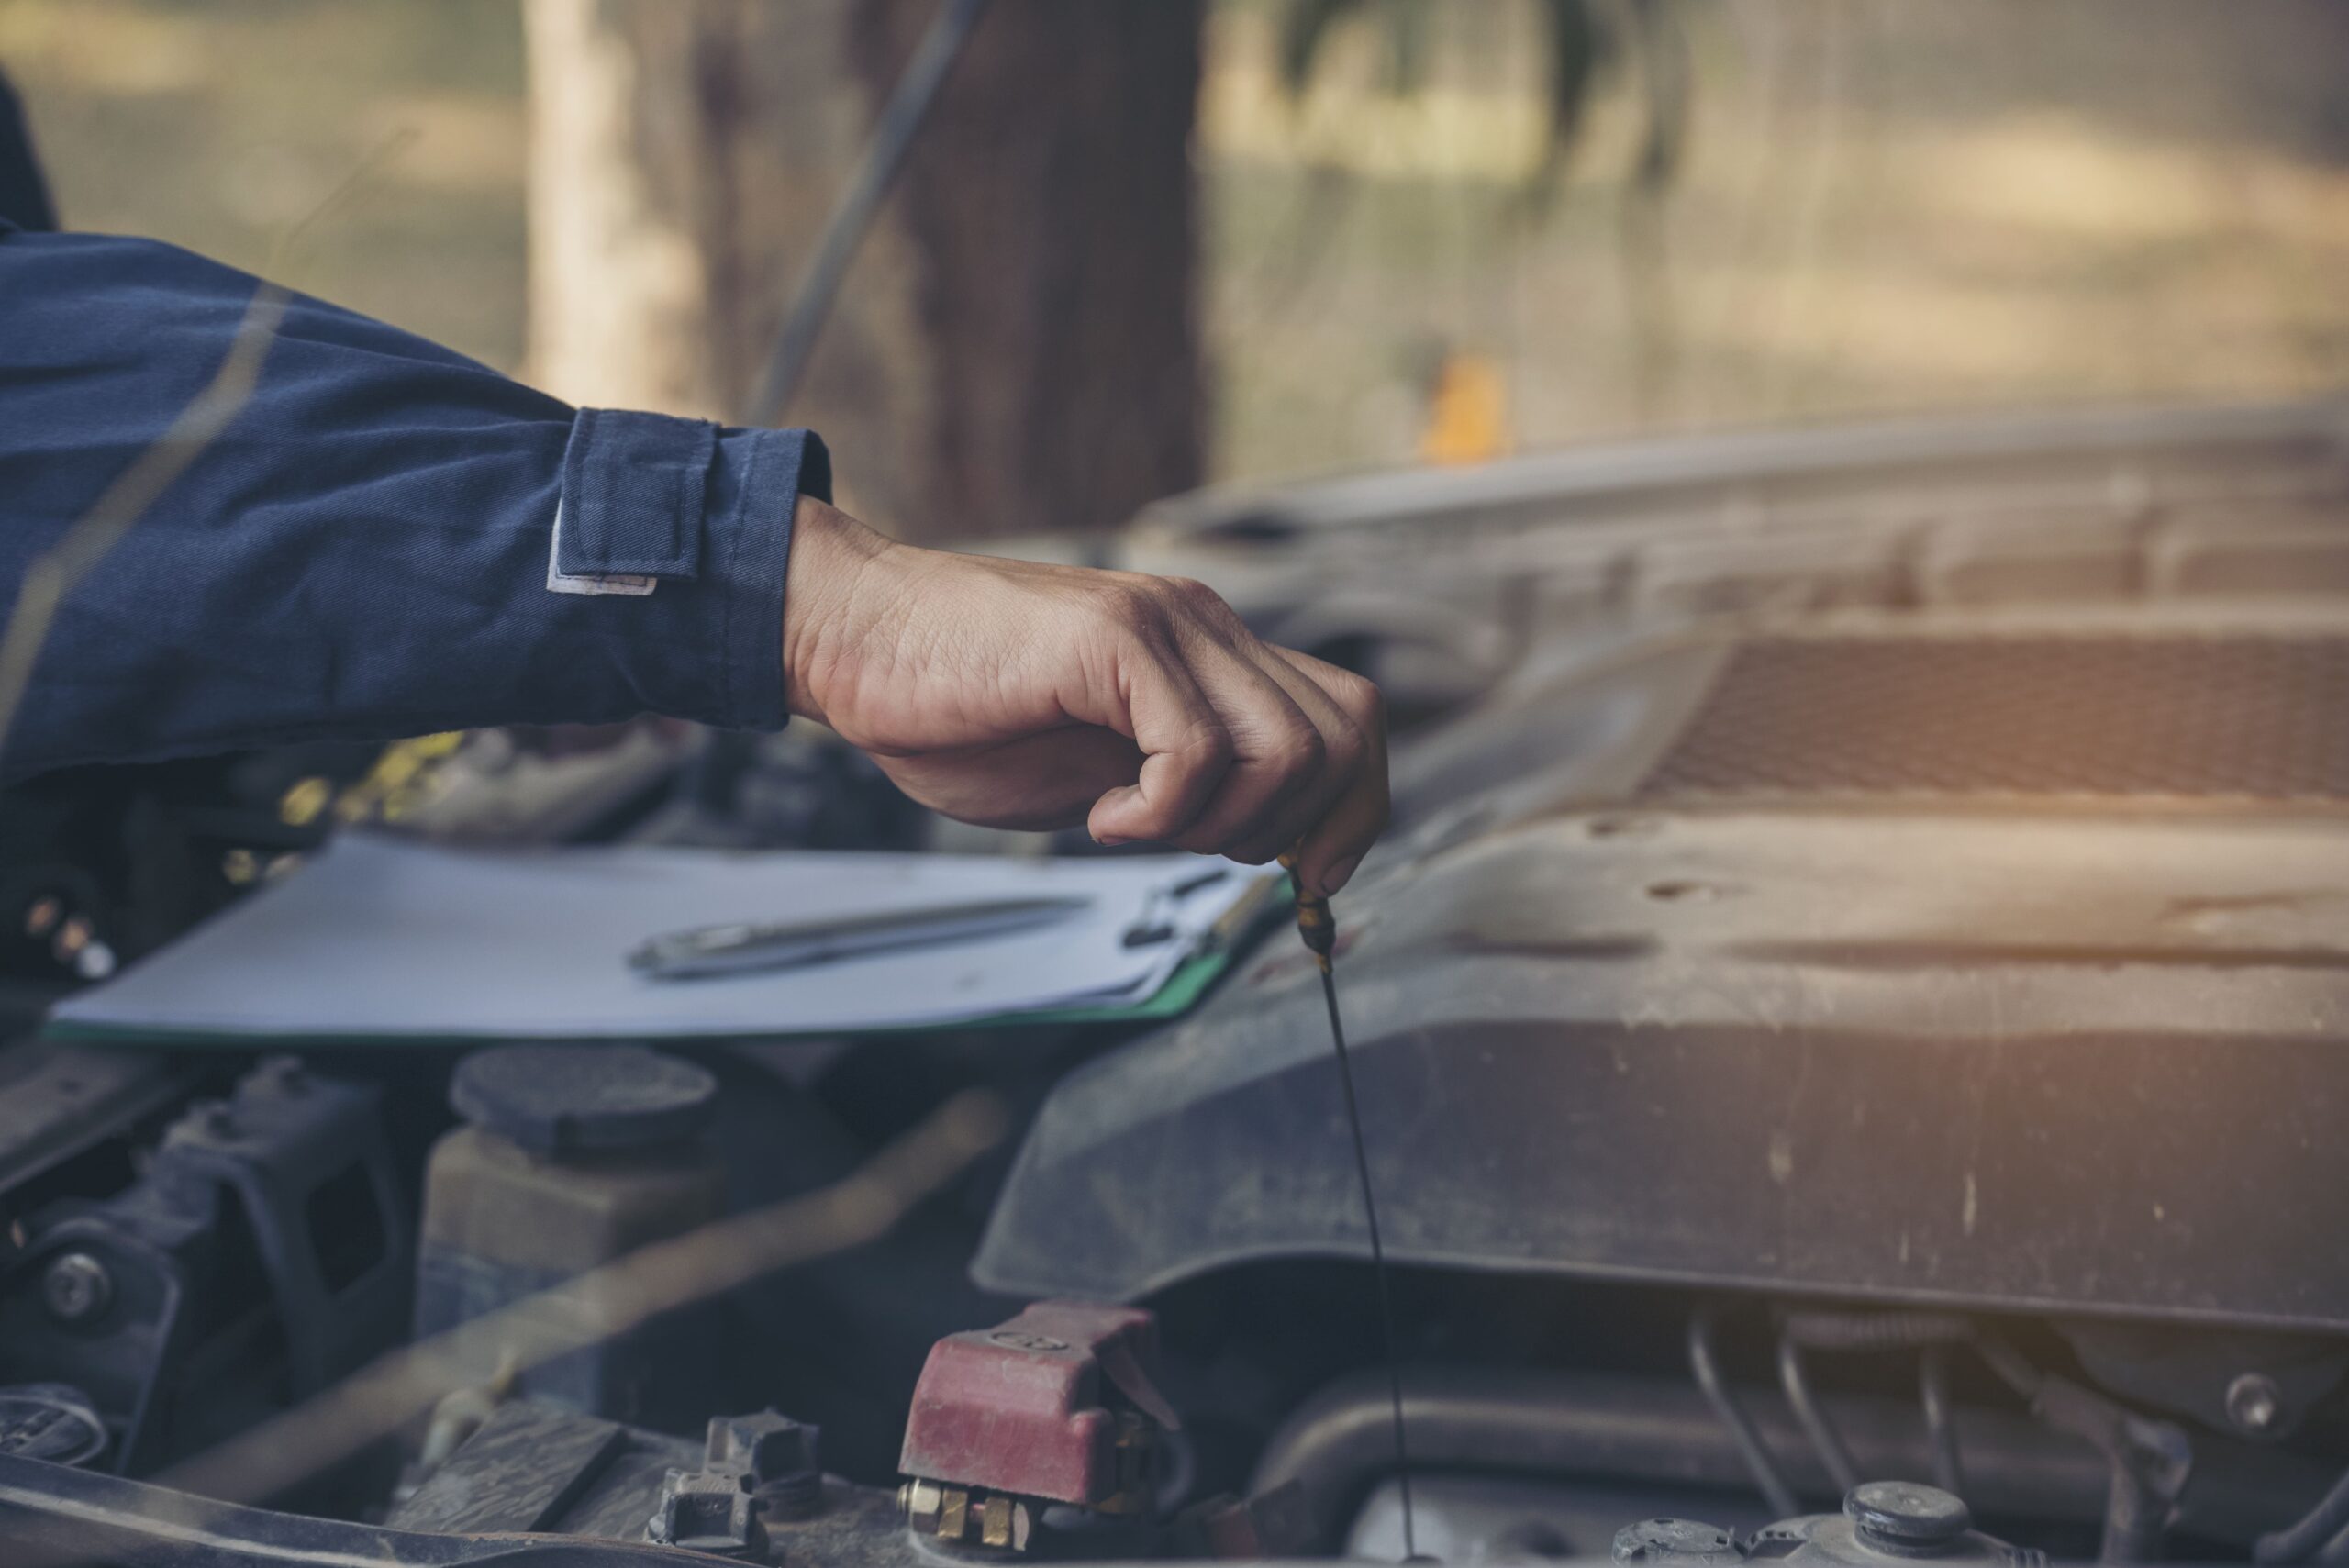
x,y
1879,206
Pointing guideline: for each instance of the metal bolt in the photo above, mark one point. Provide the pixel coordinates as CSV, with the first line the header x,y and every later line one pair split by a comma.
x,y
1910,1515
76,1288
922,1502
2253,1402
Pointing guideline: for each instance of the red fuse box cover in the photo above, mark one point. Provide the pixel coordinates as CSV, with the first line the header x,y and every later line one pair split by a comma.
x,y
1024,1407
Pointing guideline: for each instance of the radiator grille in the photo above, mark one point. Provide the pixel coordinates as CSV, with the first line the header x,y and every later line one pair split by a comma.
x,y
2265,718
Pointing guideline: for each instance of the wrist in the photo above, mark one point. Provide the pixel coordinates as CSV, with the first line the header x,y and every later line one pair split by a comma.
x,y
832,558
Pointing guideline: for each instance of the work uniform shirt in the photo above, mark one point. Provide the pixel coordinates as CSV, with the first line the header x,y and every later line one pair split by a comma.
x,y
384,539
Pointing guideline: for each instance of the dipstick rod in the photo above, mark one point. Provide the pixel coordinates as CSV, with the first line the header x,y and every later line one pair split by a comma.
x,y
1320,930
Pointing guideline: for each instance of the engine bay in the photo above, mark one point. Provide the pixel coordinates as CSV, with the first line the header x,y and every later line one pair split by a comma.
x,y
1845,1021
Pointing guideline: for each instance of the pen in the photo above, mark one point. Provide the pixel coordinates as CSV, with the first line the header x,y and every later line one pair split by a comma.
x,y
751,947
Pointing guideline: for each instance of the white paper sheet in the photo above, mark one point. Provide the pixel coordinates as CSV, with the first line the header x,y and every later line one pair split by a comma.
x,y
379,938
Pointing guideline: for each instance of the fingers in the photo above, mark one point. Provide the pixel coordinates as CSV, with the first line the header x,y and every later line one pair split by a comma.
x,y
1038,783
1187,752
1279,756
1249,748
1306,799
1335,845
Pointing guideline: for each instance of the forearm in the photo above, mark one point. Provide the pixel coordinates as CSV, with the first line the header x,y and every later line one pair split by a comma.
x,y
388,539
365,551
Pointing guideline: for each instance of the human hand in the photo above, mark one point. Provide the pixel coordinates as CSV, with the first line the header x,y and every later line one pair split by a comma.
x,y
1017,694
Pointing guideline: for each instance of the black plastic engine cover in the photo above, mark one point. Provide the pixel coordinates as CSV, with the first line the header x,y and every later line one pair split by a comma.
x,y
2053,1035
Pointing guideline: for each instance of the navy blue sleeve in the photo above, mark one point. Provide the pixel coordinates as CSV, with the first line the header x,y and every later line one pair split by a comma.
x,y
368,550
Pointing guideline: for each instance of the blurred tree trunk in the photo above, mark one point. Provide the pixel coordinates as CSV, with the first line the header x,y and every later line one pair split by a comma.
x,y
1016,348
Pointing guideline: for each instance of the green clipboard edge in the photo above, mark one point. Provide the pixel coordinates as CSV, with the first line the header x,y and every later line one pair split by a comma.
x,y
1181,993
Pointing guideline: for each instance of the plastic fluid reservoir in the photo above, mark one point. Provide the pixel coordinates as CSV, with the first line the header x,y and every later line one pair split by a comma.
x,y
571,1156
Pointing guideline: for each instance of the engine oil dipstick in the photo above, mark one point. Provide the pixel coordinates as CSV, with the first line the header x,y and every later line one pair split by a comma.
x,y
1315,924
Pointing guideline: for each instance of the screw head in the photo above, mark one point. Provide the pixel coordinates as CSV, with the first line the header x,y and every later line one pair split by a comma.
x,y
1907,1514
76,1288
2254,1403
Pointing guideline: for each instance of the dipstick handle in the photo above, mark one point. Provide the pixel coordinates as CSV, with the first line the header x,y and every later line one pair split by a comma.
x,y
1314,921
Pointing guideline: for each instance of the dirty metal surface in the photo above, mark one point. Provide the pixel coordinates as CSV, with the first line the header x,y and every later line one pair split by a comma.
x,y
537,1466
58,1101
1901,861
54,1514
529,1467
1980,1058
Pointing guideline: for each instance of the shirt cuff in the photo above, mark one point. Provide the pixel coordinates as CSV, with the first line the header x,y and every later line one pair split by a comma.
x,y
690,525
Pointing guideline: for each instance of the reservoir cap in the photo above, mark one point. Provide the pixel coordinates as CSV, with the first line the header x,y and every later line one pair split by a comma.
x,y
566,1099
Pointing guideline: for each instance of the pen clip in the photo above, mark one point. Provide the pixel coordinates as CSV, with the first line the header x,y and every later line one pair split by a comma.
x,y
1155,924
